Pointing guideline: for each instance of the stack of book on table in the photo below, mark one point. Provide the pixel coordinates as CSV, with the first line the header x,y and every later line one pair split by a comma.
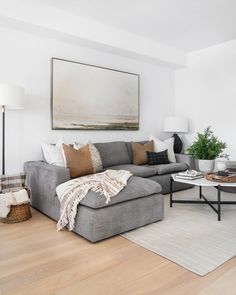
x,y
190,174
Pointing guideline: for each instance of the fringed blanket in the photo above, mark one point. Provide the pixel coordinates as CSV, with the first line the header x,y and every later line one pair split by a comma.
x,y
108,183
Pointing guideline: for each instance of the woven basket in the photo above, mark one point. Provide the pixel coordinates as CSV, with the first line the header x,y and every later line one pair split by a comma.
x,y
18,213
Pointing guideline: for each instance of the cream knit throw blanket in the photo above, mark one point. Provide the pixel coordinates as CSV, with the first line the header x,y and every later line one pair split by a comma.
x,y
108,183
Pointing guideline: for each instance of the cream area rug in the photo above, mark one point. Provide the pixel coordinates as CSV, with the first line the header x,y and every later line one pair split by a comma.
x,y
190,234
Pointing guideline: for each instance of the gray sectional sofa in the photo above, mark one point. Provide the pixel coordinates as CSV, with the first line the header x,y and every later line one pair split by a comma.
x,y
139,203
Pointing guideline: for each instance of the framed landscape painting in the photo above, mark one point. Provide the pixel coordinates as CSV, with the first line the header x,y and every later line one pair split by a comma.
x,y
90,97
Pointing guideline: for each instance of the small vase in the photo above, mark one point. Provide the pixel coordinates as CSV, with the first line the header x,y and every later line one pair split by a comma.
x,y
206,166
221,165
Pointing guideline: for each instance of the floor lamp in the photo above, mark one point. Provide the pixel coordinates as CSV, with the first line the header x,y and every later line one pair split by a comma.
x,y
11,98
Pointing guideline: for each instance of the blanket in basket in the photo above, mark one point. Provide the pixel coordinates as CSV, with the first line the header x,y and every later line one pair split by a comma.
x,y
11,199
108,183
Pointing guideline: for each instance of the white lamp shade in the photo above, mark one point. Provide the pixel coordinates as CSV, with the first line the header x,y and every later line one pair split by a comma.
x,y
11,96
175,124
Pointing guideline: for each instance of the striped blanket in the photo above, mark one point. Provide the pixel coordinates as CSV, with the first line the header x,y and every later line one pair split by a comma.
x,y
108,183
12,183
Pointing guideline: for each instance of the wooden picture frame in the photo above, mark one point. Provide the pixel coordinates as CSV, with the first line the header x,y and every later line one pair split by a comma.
x,y
90,97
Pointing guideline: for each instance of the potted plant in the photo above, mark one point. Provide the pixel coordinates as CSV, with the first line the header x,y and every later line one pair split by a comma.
x,y
206,148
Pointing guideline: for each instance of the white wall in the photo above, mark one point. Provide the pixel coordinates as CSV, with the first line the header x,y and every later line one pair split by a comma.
x,y
205,92
66,25
25,60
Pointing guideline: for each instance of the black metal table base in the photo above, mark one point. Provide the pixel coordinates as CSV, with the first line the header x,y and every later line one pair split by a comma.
x,y
203,200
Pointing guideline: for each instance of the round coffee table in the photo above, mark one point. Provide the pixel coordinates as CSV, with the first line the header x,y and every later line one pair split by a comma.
x,y
202,182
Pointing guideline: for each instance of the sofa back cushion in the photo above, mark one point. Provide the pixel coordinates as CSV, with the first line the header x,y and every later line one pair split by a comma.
x,y
113,153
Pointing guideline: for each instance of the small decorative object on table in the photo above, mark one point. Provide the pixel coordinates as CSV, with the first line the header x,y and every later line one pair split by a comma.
x,y
14,199
221,165
190,174
223,173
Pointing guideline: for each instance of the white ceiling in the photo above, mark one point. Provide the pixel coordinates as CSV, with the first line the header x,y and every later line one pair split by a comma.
x,y
184,24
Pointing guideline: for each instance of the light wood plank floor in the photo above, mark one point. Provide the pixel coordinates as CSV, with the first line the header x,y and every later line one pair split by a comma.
x,y
35,259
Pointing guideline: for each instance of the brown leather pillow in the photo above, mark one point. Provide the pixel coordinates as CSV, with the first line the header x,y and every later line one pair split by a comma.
x,y
78,161
140,152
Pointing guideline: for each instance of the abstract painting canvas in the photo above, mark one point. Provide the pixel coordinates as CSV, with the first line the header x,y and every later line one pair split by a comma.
x,y
93,98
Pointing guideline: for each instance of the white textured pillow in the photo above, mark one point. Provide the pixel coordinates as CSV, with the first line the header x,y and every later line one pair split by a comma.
x,y
53,154
167,144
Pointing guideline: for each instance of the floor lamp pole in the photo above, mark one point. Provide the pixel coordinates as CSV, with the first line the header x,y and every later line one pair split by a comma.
x,y
3,139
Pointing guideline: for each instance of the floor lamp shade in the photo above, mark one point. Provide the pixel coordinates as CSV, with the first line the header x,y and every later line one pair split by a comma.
x,y
11,97
176,124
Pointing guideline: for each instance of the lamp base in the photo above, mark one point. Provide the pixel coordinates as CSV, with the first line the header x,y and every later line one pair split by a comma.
x,y
178,144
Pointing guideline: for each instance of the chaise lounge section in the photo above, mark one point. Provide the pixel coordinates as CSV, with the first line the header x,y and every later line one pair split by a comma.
x,y
141,202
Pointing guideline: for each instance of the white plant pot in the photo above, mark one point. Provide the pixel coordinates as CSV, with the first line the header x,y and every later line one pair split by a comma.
x,y
206,165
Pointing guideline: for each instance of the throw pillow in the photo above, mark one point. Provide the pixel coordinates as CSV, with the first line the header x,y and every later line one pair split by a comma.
x,y
140,152
79,161
167,144
95,156
53,154
158,158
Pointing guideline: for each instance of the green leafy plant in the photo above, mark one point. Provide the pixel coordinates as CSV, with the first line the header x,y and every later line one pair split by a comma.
x,y
207,146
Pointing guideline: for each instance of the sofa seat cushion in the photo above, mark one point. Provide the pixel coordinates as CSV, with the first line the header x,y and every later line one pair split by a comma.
x,y
141,171
137,187
169,168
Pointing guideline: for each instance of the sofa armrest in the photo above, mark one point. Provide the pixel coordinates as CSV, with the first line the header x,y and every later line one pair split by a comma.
x,y
183,158
42,179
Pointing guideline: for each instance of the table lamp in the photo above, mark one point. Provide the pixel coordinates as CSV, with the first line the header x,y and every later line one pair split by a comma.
x,y
11,98
176,124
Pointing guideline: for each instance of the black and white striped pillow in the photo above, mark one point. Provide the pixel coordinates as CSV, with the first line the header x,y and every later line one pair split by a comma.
x,y
158,158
